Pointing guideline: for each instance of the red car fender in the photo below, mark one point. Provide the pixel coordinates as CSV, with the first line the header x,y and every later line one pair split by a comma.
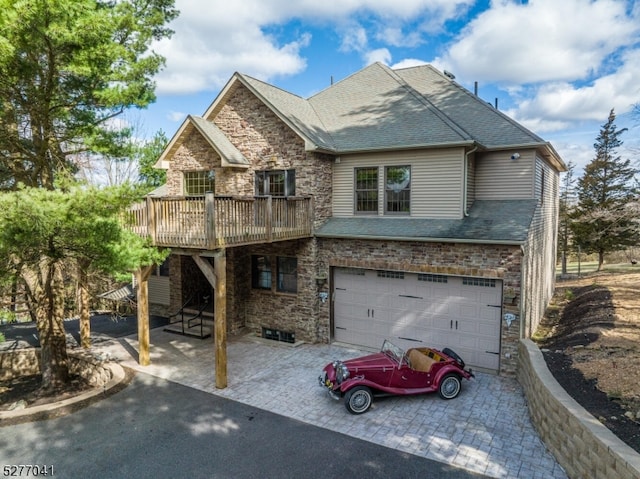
x,y
357,381
448,369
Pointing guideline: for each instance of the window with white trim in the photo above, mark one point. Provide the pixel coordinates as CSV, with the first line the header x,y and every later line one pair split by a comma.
x,y
397,190
197,183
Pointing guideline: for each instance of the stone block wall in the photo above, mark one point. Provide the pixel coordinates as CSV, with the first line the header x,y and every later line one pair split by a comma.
x,y
580,443
26,362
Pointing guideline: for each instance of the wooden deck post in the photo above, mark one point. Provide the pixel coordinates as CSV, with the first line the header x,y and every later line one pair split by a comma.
x,y
220,334
217,277
151,220
210,219
142,282
269,220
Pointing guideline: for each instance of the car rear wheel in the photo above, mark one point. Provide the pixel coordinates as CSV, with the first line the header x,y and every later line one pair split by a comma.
x,y
358,400
450,386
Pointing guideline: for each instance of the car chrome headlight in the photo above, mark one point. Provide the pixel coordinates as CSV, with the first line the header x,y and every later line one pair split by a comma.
x,y
342,372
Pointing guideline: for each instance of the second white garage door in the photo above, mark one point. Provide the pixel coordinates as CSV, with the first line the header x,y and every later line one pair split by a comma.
x,y
413,310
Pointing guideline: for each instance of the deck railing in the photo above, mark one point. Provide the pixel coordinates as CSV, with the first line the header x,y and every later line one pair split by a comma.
x,y
214,222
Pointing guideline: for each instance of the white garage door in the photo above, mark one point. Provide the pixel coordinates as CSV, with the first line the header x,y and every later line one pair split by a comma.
x,y
419,310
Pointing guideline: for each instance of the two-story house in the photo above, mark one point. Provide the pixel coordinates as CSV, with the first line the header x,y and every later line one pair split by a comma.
x,y
393,204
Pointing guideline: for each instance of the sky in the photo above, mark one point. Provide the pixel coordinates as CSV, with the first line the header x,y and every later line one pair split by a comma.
x,y
556,66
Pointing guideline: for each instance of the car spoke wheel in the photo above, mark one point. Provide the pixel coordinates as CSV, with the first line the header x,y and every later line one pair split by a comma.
x,y
449,386
358,400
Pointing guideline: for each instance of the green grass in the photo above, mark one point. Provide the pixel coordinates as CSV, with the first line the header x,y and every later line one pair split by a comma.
x,y
586,267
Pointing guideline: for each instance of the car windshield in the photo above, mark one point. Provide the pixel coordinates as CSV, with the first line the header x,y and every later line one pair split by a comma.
x,y
394,352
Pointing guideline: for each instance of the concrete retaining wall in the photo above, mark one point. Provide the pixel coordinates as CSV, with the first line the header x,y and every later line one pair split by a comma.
x,y
582,445
23,362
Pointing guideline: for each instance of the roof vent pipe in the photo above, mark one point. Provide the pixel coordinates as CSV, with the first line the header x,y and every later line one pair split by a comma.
x,y
496,105
475,88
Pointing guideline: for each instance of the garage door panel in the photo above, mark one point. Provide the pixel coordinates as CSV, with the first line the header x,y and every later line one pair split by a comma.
x,y
419,309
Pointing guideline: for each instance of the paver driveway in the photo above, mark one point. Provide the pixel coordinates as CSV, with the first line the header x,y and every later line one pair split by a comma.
x,y
485,430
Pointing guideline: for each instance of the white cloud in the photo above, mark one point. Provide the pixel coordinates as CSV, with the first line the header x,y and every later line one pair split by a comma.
x,y
381,55
542,40
214,38
559,102
408,63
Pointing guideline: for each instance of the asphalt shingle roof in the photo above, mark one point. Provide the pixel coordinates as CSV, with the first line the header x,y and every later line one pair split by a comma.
x,y
489,221
378,108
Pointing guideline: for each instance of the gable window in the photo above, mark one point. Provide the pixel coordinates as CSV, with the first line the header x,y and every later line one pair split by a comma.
x,y
197,183
261,272
287,275
366,190
397,190
276,183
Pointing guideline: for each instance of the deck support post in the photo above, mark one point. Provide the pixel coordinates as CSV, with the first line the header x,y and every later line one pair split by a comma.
x,y
142,282
217,277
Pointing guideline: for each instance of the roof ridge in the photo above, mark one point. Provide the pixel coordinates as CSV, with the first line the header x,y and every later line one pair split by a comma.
x,y
423,99
486,104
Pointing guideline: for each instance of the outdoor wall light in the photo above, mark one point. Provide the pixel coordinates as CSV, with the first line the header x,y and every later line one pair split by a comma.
x,y
323,296
509,318
321,279
211,175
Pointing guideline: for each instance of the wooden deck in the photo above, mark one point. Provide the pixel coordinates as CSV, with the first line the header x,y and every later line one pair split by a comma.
x,y
222,221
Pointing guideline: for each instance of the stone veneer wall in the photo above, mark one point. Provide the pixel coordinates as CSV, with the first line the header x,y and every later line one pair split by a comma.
x,y
460,259
296,313
268,144
23,362
582,445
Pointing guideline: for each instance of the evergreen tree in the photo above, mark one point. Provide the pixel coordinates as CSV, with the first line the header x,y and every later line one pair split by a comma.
x,y
67,68
148,154
567,204
47,236
604,220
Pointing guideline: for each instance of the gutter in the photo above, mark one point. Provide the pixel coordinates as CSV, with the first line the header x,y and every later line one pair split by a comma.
x,y
422,239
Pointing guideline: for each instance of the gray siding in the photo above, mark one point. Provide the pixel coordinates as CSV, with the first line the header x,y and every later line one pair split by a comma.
x,y
436,181
539,262
498,177
159,290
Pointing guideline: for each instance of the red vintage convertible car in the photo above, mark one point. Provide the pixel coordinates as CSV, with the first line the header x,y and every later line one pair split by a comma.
x,y
394,371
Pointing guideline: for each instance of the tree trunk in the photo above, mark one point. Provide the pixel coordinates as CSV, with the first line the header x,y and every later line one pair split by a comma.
x,y
50,324
83,306
600,260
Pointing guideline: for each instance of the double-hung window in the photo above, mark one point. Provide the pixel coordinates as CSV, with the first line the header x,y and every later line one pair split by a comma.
x,y
286,273
366,190
261,272
276,183
397,190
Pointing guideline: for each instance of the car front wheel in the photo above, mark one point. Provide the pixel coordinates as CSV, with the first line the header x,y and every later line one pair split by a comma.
x,y
358,400
449,386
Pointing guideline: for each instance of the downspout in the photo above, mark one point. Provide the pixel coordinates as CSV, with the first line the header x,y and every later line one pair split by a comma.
x,y
466,179
521,306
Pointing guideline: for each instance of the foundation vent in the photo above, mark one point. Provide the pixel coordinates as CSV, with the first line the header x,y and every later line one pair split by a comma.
x,y
277,335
